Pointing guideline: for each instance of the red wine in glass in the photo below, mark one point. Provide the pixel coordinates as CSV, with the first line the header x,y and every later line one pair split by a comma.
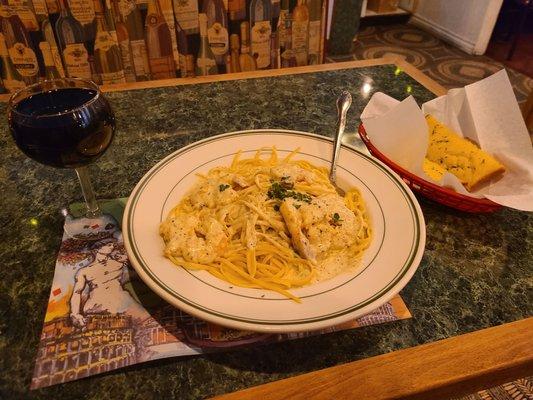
x,y
64,123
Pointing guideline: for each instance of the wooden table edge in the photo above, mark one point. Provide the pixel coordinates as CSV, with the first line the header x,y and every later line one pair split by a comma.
x,y
447,368
412,71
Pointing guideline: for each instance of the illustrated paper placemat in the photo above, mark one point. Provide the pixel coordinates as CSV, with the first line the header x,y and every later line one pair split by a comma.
x,y
101,316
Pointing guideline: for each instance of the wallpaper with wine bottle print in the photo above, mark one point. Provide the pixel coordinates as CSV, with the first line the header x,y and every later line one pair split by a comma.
x,y
119,41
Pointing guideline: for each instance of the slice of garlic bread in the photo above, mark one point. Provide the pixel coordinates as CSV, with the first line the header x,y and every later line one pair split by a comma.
x,y
459,156
433,170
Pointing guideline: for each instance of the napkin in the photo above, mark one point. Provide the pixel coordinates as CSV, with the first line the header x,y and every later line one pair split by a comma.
x,y
485,112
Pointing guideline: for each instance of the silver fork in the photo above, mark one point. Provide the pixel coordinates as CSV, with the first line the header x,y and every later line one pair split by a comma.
x,y
344,101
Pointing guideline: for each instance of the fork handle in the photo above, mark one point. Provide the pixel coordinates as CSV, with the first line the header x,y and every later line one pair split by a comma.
x,y
343,104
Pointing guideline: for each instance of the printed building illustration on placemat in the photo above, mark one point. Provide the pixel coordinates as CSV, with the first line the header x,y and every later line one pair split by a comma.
x,y
67,353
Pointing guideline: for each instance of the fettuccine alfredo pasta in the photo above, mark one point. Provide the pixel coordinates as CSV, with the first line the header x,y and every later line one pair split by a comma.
x,y
268,222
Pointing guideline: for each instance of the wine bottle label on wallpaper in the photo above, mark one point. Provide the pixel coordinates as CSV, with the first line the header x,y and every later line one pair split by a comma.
x,y
109,78
283,14
139,55
183,65
161,67
50,68
206,63
47,54
288,59
39,7
153,20
9,74
237,9
234,5
156,31
56,56
314,37
77,61
160,47
51,57
275,8
274,51
125,54
168,14
24,60
3,46
25,13
52,6
82,10
261,43
217,36
186,12
5,11
300,32
12,85
126,7
105,40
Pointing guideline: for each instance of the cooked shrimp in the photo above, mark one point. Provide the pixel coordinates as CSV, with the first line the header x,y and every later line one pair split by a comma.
x,y
324,224
293,174
215,192
329,224
196,239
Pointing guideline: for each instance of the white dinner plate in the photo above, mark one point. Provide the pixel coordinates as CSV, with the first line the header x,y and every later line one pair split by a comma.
x,y
388,264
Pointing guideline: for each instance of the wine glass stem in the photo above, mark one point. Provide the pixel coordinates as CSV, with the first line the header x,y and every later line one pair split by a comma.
x,y
88,193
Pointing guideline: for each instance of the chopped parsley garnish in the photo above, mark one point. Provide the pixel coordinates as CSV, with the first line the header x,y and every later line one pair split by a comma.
x,y
287,185
300,196
222,187
336,220
276,207
278,191
297,206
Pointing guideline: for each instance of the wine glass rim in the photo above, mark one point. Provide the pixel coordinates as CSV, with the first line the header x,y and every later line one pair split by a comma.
x,y
12,103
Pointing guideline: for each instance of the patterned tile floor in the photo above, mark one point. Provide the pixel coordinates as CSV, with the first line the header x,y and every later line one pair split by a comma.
x,y
444,63
452,68
521,389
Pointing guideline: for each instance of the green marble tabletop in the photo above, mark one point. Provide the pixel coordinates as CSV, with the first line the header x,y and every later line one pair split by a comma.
x,y
476,270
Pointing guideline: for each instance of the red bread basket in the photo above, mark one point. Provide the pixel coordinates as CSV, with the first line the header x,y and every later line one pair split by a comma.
x,y
434,192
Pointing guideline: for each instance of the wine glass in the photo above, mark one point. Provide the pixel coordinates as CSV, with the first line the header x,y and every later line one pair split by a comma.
x,y
64,123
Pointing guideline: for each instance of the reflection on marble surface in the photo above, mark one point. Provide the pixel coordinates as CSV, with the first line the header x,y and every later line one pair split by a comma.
x,y
476,270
